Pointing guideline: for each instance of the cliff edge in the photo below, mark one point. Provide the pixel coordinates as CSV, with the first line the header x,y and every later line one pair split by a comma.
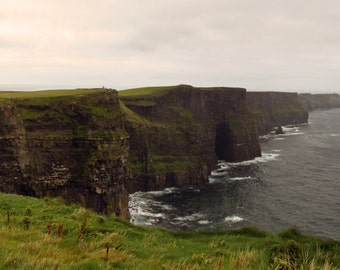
x,y
189,130
70,144
96,146
275,109
319,101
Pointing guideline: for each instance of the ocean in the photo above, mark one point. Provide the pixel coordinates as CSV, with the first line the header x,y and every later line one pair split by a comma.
x,y
295,184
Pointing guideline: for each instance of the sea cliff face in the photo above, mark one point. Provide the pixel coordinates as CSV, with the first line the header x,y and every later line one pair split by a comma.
x,y
94,147
190,129
73,147
274,109
319,101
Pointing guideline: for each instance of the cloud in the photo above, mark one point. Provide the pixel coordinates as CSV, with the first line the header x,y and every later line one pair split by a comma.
x,y
263,44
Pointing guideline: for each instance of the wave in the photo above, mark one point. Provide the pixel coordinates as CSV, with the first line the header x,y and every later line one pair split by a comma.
x,y
142,212
145,210
164,191
264,158
189,217
224,167
203,222
241,178
288,131
233,219
219,173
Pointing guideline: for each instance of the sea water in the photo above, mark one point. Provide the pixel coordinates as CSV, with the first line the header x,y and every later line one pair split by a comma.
x,y
296,183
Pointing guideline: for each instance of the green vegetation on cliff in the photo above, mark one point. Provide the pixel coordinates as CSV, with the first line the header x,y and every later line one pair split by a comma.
x,y
132,117
68,111
154,91
46,93
46,234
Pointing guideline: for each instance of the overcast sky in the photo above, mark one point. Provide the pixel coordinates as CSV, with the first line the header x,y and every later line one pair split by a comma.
x,y
279,45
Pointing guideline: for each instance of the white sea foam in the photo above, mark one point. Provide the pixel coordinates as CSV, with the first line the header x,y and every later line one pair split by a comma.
x,y
143,212
219,173
203,222
222,165
267,157
264,158
215,176
264,137
141,216
212,180
189,218
290,131
292,134
241,178
164,191
142,209
166,207
233,219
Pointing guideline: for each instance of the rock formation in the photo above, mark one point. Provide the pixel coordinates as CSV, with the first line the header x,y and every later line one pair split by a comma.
x,y
74,147
274,109
319,101
189,130
94,147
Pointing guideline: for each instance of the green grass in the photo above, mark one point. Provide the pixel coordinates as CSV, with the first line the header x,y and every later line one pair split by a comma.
x,y
45,93
154,91
46,234
132,117
177,164
72,112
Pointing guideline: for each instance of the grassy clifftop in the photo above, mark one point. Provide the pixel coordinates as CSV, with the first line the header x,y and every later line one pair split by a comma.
x,y
149,92
47,93
46,234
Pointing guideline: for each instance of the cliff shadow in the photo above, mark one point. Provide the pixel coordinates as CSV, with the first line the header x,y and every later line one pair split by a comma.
x,y
223,142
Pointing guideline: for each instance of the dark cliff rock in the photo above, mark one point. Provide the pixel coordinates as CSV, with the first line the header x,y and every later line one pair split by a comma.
x,y
189,130
274,109
91,148
73,147
319,101
94,148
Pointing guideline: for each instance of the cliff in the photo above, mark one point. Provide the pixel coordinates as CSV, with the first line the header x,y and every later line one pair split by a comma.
x,y
188,130
72,145
87,146
274,109
95,146
319,101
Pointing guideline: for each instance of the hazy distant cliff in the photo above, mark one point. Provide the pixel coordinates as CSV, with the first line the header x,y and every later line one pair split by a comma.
x,y
96,146
272,109
319,101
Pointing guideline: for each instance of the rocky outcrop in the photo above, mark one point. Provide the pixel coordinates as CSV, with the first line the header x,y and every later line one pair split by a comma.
x,y
274,109
319,101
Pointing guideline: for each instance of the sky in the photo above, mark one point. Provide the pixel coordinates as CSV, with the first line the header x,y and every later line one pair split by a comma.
x,y
262,45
